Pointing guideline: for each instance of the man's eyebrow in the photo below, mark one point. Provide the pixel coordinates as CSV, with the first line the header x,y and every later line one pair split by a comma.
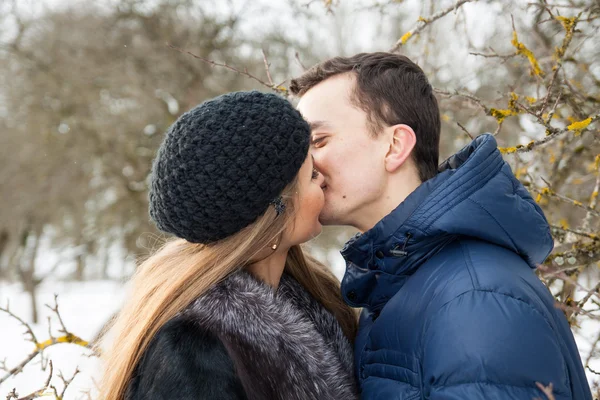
x,y
314,125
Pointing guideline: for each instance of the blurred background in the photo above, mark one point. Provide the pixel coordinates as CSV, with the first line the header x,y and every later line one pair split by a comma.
x,y
88,88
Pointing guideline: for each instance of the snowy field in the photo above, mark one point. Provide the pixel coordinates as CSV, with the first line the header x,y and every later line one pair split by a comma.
x,y
84,308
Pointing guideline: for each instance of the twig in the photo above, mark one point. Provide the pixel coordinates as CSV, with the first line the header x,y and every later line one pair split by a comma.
x,y
553,109
466,95
580,254
494,55
550,88
19,368
12,395
67,382
522,50
575,232
549,128
229,67
569,28
594,196
588,295
67,337
41,392
32,338
568,270
591,354
267,65
423,22
297,56
574,310
578,204
465,130
49,375
497,131
574,91
534,144
29,331
55,311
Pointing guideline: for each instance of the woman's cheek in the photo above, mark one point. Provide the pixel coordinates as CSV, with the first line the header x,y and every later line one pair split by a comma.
x,y
317,201
317,206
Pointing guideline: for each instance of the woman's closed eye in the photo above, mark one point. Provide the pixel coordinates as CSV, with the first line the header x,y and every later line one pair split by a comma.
x,y
315,173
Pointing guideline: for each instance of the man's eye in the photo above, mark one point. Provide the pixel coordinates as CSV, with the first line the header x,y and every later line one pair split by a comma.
x,y
315,173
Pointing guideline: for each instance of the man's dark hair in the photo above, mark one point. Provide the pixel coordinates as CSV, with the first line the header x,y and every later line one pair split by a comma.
x,y
392,90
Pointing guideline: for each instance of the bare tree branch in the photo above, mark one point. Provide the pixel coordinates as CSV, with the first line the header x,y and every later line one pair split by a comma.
x,y
267,65
549,192
468,96
594,197
580,254
243,72
67,337
465,130
44,390
297,58
423,22
577,128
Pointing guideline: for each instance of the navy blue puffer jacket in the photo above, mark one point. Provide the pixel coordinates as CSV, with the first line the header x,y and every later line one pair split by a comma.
x,y
452,306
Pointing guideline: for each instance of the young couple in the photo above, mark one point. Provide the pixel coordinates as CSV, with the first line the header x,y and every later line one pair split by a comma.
x,y
443,268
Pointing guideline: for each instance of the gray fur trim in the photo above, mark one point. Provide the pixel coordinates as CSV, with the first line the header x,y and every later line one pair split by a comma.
x,y
284,344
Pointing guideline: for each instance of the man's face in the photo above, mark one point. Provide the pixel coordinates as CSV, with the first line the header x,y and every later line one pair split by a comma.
x,y
345,152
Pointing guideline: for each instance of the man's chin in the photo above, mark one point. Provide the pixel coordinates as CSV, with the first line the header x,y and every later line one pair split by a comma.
x,y
326,220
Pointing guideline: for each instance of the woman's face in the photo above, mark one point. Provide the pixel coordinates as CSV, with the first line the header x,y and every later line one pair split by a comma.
x,y
308,204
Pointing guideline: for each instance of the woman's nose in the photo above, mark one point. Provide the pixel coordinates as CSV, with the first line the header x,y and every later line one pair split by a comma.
x,y
320,179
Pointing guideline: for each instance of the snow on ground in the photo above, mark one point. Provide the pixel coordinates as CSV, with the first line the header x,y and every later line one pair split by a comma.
x,y
84,307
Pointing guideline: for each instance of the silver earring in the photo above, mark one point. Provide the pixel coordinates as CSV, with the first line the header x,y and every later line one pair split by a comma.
x,y
274,247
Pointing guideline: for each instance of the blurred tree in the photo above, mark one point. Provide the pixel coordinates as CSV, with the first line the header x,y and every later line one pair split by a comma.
x,y
90,93
87,92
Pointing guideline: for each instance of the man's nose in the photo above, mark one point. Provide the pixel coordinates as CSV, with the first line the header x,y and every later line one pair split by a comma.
x,y
318,159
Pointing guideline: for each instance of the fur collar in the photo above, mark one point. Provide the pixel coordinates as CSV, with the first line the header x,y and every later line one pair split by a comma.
x,y
284,344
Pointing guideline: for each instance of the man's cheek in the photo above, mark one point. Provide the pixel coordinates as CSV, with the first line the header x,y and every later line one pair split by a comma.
x,y
338,162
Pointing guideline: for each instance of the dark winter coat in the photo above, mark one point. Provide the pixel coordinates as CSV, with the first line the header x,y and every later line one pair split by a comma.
x,y
243,340
453,308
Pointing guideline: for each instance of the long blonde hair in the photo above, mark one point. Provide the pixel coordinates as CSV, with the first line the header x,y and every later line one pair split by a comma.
x,y
173,277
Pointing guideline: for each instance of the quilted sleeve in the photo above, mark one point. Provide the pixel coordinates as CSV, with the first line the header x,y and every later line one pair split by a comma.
x,y
487,345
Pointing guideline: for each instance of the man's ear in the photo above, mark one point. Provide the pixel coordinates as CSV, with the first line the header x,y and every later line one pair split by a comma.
x,y
403,140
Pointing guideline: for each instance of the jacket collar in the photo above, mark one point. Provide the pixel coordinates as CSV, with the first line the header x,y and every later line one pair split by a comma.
x,y
474,183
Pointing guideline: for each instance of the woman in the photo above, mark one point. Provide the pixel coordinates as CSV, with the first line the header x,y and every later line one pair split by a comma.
x,y
233,308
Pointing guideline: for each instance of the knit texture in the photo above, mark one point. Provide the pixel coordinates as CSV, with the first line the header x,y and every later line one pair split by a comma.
x,y
223,162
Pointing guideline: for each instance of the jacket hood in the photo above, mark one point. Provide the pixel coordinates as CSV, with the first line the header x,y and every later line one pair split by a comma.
x,y
475,194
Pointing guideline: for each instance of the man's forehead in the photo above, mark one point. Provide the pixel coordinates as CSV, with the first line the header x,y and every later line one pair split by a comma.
x,y
315,125
335,91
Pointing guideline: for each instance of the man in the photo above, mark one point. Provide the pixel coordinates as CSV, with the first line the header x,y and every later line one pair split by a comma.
x,y
444,267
